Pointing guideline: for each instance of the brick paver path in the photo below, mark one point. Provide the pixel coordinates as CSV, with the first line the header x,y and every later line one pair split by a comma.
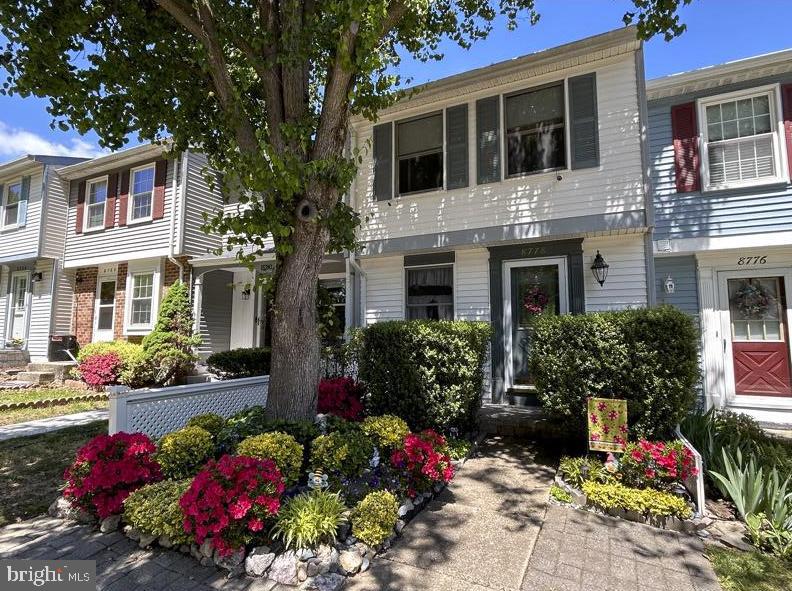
x,y
491,529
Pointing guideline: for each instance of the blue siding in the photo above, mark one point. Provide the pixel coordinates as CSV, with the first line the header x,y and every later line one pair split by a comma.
x,y
683,271
721,213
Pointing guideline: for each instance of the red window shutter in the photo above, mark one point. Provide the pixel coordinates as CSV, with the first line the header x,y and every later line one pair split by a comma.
x,y
686,149
158,207
786,97
78,222
123,199
110,206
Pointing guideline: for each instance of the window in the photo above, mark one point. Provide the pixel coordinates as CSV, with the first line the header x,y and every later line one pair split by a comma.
x,y
95,206
419,145
535,135
740,140
142,299
11,209
142,194
430,293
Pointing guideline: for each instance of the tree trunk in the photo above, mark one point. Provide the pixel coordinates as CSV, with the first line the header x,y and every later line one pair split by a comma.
x,y
294,371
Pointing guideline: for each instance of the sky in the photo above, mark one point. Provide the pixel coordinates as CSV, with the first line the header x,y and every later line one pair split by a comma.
x,y
718,31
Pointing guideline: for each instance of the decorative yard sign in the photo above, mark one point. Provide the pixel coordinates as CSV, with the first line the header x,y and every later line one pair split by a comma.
x,y
607,424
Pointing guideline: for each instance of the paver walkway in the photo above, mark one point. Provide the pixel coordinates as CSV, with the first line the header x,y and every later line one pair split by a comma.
x,y
490,529
40,426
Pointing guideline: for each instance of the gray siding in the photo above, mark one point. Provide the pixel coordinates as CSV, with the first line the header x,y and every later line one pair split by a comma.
x,y
215,323
719,213
199,199
40,311
683,271
23,242
56,210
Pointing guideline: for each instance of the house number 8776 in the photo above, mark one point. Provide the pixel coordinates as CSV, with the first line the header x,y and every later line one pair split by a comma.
x,y
757,260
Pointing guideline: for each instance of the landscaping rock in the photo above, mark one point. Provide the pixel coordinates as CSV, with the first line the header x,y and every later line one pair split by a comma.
x,y
325,582
406,507
110,524
302,572
305,554
258,561
231,561
146,540
165,541
184,549
364,566
195,551
207,561
350,562
132,533
63,509
326,559
284,568
206,548
400,526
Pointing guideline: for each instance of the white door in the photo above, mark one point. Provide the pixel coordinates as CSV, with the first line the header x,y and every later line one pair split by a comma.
x,y
530,287
20,288
104,313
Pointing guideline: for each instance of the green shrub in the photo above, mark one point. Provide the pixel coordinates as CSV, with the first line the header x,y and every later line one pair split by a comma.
x,y
240,363
341,454
210,421
458,449
387,431
374,518
280,447
560,495
647,356
430,373
154,509
181,453
310,519
769,535
576,471
129,354
254,421
645,501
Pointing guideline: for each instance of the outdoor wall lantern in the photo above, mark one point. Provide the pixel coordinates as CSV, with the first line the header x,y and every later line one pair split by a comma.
x,y
246,294
600,269
36,277
668,284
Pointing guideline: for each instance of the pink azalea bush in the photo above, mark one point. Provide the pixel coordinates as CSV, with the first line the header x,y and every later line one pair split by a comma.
x,y
107,469
424,461
101,369
657,464
232,500
340,397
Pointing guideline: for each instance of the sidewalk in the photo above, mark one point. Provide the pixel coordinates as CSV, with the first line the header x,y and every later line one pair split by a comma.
x,y
51,424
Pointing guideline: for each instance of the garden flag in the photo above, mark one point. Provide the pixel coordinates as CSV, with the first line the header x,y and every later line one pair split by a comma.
x,y
607,424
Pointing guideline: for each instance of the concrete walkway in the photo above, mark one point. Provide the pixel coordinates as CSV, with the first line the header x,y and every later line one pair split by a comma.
x,y
40,426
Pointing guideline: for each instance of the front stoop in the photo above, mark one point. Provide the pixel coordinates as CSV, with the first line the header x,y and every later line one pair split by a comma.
x,y
516,421
36,377
60,369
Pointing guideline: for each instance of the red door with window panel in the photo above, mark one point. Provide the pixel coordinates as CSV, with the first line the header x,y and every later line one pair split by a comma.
x,y
760,336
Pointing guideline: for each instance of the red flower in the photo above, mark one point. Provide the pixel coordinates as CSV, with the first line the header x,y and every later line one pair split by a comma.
x,y
100,369
424,461
341,397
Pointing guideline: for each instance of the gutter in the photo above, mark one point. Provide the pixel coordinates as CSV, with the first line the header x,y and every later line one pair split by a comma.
x,y
171,246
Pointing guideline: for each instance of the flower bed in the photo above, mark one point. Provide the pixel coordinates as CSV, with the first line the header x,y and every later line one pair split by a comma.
x,y
293,502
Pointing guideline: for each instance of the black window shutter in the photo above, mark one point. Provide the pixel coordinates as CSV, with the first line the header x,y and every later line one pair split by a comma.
x,y
488,138
457,146
383,162
583,131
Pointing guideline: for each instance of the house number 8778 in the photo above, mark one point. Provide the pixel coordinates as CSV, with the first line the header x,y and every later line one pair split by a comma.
x,y
757,260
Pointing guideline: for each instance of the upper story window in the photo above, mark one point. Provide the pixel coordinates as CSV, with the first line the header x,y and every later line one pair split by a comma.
x,y
12,205
430,293
740,139
419,147
535,134
142,194
95,204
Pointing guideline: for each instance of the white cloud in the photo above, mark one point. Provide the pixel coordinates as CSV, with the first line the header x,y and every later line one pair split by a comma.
x,y
16,142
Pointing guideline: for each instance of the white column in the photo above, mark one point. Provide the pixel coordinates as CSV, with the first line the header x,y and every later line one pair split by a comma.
x,y
197,295
711,337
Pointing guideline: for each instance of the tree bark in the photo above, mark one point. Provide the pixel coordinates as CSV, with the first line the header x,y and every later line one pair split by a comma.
x,y
294,370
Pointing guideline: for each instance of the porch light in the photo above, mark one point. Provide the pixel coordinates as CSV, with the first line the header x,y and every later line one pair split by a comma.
x,y
246,294
668,285
36,277
600,269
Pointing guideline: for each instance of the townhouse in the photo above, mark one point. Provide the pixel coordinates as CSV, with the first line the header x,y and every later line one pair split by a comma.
x,y
490,194
35,300
721,150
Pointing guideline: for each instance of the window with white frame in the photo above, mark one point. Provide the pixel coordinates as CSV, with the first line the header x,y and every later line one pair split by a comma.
x,y
535,134
142,194
741,145
142,300
11,206
419,145
96,199
430,293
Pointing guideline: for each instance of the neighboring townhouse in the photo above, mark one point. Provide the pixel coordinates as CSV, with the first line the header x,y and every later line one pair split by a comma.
x,y
134,223
35,299
721,150
493,191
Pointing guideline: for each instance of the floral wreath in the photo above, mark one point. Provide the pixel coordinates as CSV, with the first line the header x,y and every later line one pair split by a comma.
x,y
753,300
535,300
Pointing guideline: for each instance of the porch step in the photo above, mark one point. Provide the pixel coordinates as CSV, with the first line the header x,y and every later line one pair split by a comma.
x,y
36,377
516,421
13,358
60,369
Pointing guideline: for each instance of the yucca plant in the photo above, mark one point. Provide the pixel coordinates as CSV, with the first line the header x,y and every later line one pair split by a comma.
x,y
742,482
310,519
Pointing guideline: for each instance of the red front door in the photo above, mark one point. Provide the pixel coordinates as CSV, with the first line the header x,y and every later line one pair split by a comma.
x,y
760,336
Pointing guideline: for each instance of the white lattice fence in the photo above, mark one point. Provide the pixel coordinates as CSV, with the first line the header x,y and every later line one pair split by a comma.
x,y
157,411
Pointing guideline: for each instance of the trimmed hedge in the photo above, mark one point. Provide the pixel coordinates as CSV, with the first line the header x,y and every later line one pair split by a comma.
x,y
240,363
430,373
647,356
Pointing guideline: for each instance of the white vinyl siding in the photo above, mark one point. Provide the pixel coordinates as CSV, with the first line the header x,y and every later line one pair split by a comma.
x,y
25,241
472,284
613,187
40,311
54,217
625,286
384,296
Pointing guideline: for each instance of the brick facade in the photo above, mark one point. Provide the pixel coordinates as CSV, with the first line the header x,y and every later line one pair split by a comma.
x,y
84,295
120,302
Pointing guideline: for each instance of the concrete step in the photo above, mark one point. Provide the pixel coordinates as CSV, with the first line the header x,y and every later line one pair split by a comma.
x,y
36,377
59,368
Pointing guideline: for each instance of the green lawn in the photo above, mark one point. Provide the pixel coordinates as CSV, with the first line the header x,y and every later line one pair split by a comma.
x,y
10,417
33,394
750,571
31,469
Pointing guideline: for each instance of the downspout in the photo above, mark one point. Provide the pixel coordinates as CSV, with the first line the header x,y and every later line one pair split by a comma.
x,y
172,245
649,217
